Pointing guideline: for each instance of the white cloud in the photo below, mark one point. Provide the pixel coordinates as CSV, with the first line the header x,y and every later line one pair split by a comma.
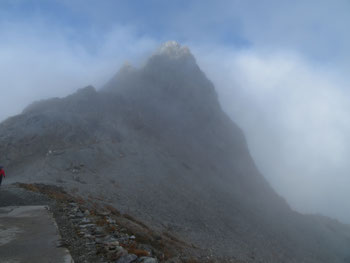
x,y
37,62
295,116
288,90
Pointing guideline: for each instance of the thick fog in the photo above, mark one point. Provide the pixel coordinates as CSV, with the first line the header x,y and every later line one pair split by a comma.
x,y
281,72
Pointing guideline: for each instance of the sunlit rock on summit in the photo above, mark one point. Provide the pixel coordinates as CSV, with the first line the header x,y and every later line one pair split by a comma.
x,y
173,49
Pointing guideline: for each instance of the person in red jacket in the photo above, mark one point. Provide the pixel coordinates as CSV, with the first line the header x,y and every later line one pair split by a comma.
x,y
2,173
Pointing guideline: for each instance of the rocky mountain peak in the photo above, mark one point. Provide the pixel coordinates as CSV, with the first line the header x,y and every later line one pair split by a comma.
x,y
169,78
155,143
174,50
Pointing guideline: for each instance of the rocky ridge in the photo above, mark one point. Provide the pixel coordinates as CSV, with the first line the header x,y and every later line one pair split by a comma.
x,y
154,143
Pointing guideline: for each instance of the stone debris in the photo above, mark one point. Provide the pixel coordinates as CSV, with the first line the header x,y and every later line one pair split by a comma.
x,y
105,237
99,233
148,260
127,258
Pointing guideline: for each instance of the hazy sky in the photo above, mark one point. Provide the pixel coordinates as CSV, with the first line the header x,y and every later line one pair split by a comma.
x,y
280,67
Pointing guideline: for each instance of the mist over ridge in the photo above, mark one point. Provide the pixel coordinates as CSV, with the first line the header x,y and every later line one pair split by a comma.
x,y
156,144
266,65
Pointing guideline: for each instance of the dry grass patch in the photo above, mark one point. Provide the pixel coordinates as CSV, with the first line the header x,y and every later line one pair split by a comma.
x,y
112,209
102,222
53,192
129,217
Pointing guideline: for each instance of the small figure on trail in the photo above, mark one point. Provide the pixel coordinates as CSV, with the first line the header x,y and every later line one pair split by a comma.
x,y
2,173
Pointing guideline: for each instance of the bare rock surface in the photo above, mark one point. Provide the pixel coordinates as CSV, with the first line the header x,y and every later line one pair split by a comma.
x,y
155,144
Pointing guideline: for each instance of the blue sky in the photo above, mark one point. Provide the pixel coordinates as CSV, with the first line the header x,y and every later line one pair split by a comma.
x,y
316,28
281,69
87,22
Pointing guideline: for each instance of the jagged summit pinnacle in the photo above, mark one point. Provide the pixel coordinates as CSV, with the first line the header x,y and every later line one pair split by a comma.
x,y
170,63
173,49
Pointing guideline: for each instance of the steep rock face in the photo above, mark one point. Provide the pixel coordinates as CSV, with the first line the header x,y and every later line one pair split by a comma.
x,y
155,143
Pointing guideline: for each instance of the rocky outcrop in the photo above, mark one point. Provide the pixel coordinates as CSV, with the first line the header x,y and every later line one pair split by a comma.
x,y
155,143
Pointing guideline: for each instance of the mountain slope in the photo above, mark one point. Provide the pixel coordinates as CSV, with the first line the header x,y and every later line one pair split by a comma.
x,y
155,143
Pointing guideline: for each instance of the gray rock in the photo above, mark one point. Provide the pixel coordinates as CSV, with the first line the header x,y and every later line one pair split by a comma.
x,y
120,251
127,258
112,243
98,231
174,260
85,221
79,215
148,260
87,226
111,221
